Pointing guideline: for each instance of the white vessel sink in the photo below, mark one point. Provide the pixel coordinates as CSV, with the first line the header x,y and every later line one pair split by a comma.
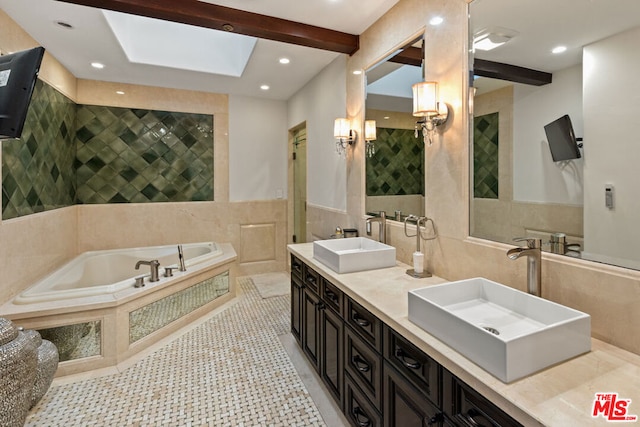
x,y
507,332
354,254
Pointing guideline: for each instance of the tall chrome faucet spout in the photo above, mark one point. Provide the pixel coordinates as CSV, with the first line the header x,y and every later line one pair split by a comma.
x,y
382,226
533,252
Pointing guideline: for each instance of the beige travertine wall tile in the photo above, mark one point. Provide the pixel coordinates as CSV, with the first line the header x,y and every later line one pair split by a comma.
x,y
32,246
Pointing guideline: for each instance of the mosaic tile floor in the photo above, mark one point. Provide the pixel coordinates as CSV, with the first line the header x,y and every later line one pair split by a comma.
x,y
231,370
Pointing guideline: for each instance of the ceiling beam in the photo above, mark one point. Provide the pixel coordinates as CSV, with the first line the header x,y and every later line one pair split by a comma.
x,y
409,56
512,73
202,14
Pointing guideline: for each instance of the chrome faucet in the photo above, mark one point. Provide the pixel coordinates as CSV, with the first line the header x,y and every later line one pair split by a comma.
x,y
533,252
382,226
154,264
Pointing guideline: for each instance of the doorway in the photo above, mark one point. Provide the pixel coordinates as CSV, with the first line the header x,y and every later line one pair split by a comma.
x,y
299,160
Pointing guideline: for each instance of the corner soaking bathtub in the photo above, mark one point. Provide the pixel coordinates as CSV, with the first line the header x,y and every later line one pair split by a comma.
x,y
109,271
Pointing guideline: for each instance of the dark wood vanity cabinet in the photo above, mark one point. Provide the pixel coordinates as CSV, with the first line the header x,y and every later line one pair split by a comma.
x,y
318,326
377,377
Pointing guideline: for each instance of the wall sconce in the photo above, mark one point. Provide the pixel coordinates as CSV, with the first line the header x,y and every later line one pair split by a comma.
x,y
369,137
343,134
427,105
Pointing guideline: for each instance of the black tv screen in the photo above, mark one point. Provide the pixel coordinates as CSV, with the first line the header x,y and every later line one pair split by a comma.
x,y
562,140
18,73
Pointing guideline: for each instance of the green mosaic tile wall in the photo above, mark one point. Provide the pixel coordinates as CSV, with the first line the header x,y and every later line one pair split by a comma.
x,y
485,156
130,155
397,167
86,154
37,169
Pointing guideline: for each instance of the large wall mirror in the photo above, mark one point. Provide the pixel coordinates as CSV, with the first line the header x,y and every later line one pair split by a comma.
x,y
395,166
548,59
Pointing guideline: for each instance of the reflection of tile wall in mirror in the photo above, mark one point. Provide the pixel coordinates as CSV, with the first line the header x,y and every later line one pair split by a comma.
x,y
485,156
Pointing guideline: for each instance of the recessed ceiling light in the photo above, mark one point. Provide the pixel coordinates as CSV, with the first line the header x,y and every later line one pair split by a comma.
x,y
559,49
436,20
264,87
284,60
357,72
386,117
65,25
97,65
119,92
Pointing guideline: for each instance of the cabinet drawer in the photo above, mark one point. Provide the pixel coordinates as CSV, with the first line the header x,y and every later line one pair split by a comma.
x,y
419,368
364,365
468,408
296,267
365,323
357,408
311,278
332,296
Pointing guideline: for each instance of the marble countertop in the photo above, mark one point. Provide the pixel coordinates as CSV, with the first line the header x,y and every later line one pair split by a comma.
x,y
562,395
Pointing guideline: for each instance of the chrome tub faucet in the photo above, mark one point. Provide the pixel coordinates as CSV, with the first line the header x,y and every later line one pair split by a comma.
x,y
154,264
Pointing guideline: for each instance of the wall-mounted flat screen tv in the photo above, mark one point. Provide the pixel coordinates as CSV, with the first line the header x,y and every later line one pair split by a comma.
x,y
562,140
18,73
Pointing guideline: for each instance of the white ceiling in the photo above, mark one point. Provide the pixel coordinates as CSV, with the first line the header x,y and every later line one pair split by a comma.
x,y
543,24
92,39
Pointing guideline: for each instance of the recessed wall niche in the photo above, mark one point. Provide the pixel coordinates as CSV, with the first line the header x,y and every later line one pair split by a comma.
x,y
83,154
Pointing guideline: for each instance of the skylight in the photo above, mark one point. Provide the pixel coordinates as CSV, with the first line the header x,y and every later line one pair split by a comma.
x,y
169,44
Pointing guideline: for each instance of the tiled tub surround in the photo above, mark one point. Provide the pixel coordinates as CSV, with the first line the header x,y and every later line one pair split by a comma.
x,y
172,303
561,395
85,154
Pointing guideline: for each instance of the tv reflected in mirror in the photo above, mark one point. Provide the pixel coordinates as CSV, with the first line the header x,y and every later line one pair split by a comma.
x,y
18,73
562,140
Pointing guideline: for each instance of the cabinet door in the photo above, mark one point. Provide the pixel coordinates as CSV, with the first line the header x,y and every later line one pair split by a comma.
x,y
331,345
405,405
311,326
296,307
357,408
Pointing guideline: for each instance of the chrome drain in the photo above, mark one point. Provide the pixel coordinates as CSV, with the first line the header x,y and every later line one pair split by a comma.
x,y
492,330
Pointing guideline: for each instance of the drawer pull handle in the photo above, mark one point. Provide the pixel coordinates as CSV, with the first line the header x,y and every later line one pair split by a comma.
x,y
360,417
320,305
311,279
360,364
406,360
331,295
359,320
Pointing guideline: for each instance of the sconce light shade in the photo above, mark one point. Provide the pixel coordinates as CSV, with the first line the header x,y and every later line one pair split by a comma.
x,y
425,99
341,128
343,134
370,130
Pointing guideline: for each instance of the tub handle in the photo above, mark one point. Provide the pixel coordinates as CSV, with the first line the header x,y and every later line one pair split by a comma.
x,y
139,282
168,271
